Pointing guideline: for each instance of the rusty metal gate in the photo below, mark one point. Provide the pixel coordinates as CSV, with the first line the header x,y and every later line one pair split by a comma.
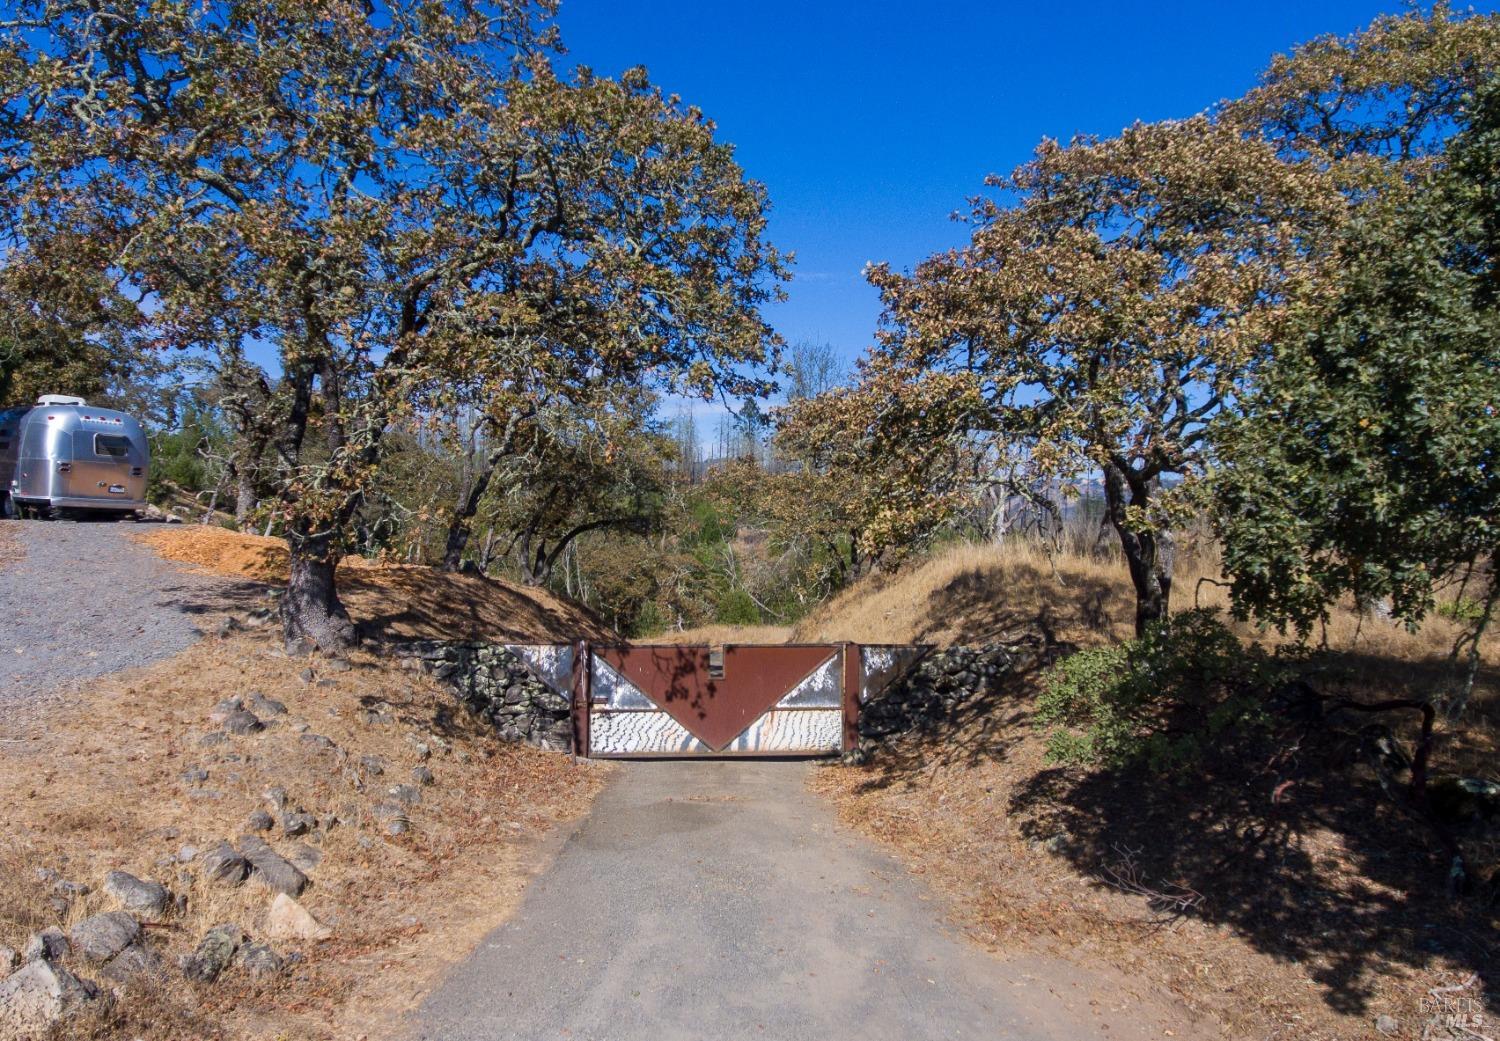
x,y
740,699
642,700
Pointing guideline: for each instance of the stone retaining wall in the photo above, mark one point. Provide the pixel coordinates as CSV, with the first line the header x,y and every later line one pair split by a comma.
x,y
492,682
934,690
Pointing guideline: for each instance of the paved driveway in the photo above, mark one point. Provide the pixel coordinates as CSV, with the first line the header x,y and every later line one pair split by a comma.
x,y
718,900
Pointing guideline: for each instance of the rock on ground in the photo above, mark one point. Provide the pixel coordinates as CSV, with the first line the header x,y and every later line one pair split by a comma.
x,y
50,943
271,867
214,953
39,994
224,864
259,961
305,857
297,823
243,722
265,706
289,920
103,936
147,899
130,962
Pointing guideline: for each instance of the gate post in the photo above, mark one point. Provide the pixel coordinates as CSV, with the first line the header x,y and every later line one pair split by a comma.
x,y
581,689
850,691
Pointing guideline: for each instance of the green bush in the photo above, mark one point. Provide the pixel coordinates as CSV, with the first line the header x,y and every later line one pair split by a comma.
x,y
736,608
177,457
1462,610
1163,698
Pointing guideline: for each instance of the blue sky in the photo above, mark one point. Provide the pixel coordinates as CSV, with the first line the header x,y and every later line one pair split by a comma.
x,y
870,123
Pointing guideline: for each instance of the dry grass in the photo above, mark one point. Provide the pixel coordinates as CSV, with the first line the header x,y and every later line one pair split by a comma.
x,y
97,785
1321,909
717,635
399,600
969,594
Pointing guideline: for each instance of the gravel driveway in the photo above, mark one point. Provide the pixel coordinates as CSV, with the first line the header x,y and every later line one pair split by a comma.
x,y
84,600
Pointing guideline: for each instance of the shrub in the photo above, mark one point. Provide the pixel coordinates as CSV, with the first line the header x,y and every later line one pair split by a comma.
x,y
736,608
1163,698
1463,610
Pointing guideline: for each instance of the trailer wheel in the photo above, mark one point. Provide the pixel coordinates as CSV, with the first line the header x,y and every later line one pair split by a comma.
x,y
8,507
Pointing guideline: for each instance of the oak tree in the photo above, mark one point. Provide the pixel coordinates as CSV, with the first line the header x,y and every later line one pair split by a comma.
x,y
392,197
1366,461
1111,297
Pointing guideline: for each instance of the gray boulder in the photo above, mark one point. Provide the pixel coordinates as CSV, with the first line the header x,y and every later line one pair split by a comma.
x,y
34,998
148,899
259,961
130,963
406,794
214,953
49,944
298,823
243,722
260,820
271,868
103,936
224,864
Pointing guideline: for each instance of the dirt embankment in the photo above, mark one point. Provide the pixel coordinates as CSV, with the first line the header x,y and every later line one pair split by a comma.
x,y
399,601
417,827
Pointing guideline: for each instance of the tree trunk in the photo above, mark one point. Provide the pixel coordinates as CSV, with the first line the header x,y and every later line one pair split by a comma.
x,y
459,524
472,492
532,562
537,573
1148,554
311,609
244,495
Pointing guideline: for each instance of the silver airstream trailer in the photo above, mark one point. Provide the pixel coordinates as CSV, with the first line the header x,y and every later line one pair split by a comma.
x,y
63,455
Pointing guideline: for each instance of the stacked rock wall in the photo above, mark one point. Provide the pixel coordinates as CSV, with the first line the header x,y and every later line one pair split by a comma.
x,y
932,691
492,682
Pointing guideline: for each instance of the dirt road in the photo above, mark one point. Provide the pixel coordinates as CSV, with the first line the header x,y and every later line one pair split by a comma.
x,y
719,900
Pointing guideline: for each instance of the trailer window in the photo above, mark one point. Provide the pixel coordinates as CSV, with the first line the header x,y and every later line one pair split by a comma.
x,y
111,445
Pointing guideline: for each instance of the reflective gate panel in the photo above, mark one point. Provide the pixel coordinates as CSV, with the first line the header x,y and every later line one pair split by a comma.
x,y
684,700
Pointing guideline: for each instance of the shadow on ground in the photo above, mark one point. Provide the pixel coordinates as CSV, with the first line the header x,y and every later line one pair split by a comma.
x,y
1286,839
